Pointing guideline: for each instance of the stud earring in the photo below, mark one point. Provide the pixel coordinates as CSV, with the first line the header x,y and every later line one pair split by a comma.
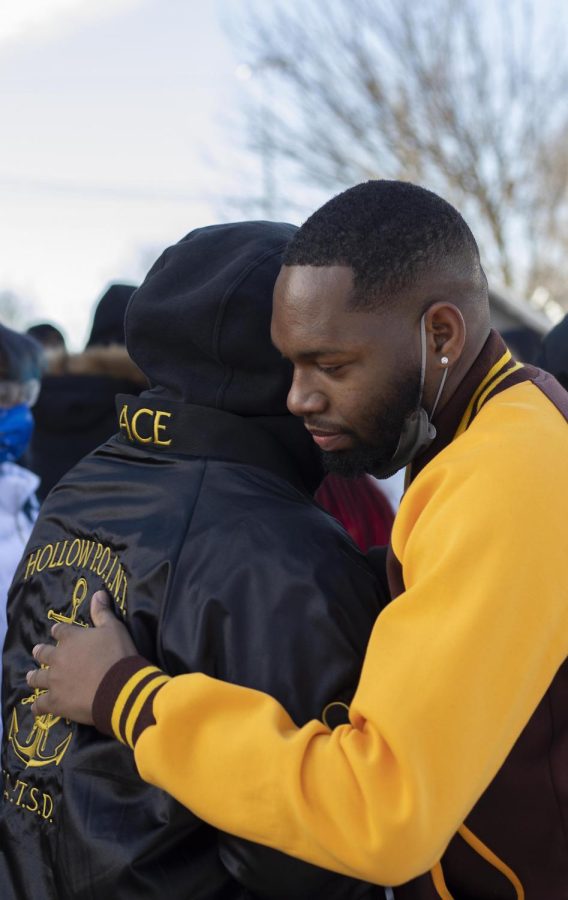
x,y
444,360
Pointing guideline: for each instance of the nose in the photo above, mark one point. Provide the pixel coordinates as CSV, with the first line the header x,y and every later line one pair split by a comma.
x,y
303,398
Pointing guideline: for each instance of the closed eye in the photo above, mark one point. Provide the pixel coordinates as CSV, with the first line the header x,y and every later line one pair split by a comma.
x,y
329,370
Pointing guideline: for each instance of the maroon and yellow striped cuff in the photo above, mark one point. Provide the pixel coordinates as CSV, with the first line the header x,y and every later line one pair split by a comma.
x,y
123,703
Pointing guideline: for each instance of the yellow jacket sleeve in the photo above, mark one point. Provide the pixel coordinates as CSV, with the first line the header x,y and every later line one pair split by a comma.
x,y
454,669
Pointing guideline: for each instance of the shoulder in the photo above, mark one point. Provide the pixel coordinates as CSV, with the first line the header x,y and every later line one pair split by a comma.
x,y
259,507
518,434
507,472
251,521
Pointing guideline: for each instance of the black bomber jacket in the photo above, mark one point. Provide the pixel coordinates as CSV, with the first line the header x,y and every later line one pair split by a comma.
x,y
199,524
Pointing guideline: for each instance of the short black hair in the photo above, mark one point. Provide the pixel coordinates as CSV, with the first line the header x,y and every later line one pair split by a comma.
x,y
389,232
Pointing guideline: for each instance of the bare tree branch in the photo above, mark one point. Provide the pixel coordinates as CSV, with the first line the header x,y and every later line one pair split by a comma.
x,y
468,99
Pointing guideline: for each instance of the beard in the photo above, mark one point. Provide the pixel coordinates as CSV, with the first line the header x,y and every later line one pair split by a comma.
x,y
383,422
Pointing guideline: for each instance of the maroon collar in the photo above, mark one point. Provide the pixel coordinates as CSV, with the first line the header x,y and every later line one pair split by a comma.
x,y
448,420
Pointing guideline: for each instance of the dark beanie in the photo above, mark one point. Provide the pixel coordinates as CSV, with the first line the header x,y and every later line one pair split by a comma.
x,y
554,352
20,356
199,325
108,322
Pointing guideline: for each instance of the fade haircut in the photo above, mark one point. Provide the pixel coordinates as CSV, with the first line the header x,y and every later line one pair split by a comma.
x,y
391,233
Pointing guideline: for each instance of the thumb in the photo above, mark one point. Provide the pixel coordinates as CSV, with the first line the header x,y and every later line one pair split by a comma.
x,y
101,608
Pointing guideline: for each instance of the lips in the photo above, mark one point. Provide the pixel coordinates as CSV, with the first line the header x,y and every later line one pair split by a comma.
x,y
330,440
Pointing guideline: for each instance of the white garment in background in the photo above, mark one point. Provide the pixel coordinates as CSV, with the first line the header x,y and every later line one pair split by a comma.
x,y
18,511
393,488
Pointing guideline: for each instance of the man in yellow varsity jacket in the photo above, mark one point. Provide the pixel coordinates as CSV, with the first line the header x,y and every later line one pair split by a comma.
x,y
450,778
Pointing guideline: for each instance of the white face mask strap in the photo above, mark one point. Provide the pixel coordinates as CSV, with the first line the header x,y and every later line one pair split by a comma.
x,y
423,369
439,394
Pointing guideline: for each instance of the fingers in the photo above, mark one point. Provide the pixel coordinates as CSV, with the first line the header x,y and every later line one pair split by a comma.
x,y
42,705
101,608
42,653
59,630
38,678
72,668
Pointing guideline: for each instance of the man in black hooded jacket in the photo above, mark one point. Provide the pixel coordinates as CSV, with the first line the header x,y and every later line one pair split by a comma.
x,y
197,518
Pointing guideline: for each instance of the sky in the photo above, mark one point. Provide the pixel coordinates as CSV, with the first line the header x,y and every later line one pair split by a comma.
x,y
121,128
119,133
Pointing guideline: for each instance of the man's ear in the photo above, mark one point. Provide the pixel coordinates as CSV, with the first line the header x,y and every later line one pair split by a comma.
x,y
445,333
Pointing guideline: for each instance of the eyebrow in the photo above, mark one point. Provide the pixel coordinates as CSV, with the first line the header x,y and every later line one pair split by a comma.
x,y
327,351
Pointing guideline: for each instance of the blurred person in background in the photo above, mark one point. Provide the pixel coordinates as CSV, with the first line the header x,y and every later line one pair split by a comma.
x,y
20,372
75,411
524,344
48,335
553,356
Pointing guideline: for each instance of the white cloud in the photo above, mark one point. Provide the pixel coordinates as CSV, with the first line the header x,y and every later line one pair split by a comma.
x,y
42,19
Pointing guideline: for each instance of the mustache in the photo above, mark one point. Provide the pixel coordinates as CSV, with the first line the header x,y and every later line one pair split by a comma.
x,y
325,425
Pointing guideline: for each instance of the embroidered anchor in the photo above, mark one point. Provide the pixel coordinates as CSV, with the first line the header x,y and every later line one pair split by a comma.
x,y
79,594
33,751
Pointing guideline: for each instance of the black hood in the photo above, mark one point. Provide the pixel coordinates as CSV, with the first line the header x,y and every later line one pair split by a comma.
x,y
199,325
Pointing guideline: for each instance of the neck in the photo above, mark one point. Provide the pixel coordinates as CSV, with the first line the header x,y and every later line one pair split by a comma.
x,y
477,338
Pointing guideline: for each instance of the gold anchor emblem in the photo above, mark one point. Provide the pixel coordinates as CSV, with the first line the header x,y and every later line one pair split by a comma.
x,y
33,751
79,594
